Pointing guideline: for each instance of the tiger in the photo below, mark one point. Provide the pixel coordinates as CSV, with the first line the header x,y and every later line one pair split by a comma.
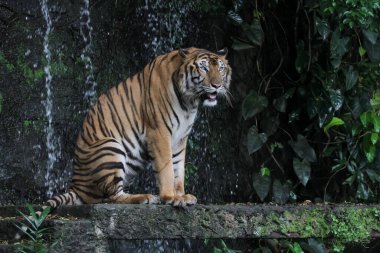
x,y
145,120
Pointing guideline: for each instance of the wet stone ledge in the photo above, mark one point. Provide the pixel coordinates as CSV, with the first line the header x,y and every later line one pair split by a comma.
x,y
90,227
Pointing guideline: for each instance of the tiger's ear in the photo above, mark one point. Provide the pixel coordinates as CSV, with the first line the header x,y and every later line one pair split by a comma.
x,y
222,52
183,52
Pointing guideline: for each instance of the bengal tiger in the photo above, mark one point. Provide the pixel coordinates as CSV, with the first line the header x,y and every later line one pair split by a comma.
x,y
145,119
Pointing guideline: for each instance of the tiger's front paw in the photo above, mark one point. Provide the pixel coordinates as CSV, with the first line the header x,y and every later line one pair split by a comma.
x,y
183,200
149,199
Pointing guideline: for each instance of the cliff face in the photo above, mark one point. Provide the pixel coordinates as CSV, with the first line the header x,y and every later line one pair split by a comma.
x,y
86,48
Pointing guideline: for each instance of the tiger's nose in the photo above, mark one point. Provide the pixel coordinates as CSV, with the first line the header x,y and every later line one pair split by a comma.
x,y
216,85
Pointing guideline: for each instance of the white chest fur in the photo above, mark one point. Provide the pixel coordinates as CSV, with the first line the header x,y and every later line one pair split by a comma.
x,y
183,129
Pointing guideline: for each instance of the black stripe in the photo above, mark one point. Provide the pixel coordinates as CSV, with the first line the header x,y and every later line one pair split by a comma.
x,y
163,119
91,194
150,100
102,178
101,121
86,161
79,180
94,146
173,111
113,149
88,131
177,161
125,89
56,202
187,77
166,109
84,139
176,154
164,58
116,180
134,167
178,94
115,117
130,124
173,56
134,107
72,194
108,166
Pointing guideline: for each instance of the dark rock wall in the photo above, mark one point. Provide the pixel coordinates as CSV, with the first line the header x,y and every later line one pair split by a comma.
x,y
125,36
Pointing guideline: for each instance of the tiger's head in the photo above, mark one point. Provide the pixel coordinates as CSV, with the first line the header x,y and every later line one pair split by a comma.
x,y
205,76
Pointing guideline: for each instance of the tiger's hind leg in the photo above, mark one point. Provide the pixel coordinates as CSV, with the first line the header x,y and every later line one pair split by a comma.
x,y
113,187
114,191
101,170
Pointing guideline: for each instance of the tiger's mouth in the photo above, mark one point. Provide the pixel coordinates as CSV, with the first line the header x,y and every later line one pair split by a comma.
x,y
210,98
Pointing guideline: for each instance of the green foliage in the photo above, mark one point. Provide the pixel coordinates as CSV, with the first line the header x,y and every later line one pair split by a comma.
x,y
4,62
255,140
319,101
353,14
219,246
295,247
33,228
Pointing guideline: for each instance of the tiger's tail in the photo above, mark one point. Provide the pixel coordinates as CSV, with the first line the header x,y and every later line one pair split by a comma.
x,y
68,198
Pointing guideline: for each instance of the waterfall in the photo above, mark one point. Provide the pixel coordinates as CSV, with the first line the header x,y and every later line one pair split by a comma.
x,y
85,31
52,142
168,25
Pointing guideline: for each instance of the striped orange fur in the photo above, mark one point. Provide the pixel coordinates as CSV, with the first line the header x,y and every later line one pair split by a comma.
x,y
145,119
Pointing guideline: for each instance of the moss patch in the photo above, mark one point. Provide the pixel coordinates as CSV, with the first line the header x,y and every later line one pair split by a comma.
x,y
341,226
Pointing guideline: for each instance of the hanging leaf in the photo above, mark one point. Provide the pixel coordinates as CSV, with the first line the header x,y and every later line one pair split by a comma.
x,y
375,101
236,19
281,192
323,27
370,153
255,140
370,36
253,104
369,148
335,121
374,138
303,149
262,186
302,170
373,175
366,118
324,117
376,122
336,99
362,51
338,47
362,191
351,78
265,172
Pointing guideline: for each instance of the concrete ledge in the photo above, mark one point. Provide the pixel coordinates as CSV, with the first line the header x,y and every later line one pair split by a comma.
x,y
93,225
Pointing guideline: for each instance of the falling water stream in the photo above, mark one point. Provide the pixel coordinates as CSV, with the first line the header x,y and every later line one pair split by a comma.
x,y
86,33
52,140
